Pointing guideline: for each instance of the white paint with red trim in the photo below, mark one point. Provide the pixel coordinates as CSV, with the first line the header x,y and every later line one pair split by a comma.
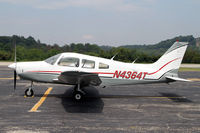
x,y
120,71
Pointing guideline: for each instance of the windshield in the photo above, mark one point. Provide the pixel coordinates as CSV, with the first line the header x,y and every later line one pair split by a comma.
x,y
53,59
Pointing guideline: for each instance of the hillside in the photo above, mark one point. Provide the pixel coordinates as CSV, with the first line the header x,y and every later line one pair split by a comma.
x,y
162,46
31,49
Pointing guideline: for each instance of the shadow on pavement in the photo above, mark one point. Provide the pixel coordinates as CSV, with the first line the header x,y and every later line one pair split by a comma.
x,y
91,103
176,98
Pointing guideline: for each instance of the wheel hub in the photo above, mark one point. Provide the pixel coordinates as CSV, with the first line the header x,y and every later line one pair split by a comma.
x,y
78,96
29,92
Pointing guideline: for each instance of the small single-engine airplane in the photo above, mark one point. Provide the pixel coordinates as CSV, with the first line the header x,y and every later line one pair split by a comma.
x,y
83,70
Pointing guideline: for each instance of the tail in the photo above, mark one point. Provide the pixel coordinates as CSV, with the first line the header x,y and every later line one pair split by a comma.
x,y
170,62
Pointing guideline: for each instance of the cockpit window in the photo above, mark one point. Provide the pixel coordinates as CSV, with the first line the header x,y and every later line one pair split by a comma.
x,y
69,61
53,59
88,63
103,66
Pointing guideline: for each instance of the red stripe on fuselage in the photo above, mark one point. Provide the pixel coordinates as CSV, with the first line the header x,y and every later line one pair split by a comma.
x,y
163,66
102,73
61,71
110,72
47,71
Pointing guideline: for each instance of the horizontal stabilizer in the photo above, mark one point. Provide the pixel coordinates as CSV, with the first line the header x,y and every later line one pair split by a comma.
x,y
55,80
177,79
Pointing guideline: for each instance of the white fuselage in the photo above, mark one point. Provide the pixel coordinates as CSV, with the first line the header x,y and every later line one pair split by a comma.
x,y
110,72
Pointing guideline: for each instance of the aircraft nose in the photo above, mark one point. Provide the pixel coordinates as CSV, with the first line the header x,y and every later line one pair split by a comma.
x,y
12,65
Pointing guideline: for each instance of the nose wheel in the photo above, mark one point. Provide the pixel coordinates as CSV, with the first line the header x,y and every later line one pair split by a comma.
x,y
29,92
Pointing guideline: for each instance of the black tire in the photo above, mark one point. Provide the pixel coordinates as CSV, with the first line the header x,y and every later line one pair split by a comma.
x,y
29,93
78,96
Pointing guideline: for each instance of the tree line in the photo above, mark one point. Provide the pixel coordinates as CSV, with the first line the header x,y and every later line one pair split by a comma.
x,y
29,49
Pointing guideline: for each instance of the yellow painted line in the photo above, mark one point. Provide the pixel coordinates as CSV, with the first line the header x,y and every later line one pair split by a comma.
x,y
42,99
8,78
194,79
132,127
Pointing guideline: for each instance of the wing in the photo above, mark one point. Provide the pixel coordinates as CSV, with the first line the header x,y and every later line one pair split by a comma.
x,y
75,77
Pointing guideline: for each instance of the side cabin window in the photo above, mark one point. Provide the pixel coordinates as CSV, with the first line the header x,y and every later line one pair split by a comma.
x,y
103,66
88,63
69,61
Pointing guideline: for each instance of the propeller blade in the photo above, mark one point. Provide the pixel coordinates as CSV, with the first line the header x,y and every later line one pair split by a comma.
x,y
15,79
14,67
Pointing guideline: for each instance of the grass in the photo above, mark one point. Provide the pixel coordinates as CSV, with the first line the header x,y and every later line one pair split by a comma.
x,y
189,69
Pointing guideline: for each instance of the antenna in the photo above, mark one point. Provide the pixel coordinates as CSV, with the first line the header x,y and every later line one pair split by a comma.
x,y
114,56
135,60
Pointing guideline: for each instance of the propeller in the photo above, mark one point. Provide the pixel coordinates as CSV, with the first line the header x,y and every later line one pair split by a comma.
x,y
15,79
14,65
15,72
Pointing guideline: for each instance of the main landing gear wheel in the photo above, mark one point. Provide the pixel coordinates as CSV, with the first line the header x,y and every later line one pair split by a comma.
x,y
78,95
29,92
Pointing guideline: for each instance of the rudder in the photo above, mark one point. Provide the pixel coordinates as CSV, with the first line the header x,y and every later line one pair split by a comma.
x,y
171,60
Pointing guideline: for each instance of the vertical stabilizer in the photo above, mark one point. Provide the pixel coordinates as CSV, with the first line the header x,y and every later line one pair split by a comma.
x,y
170,61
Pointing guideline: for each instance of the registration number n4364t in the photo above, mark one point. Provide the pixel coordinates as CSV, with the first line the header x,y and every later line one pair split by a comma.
x,y
129,74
